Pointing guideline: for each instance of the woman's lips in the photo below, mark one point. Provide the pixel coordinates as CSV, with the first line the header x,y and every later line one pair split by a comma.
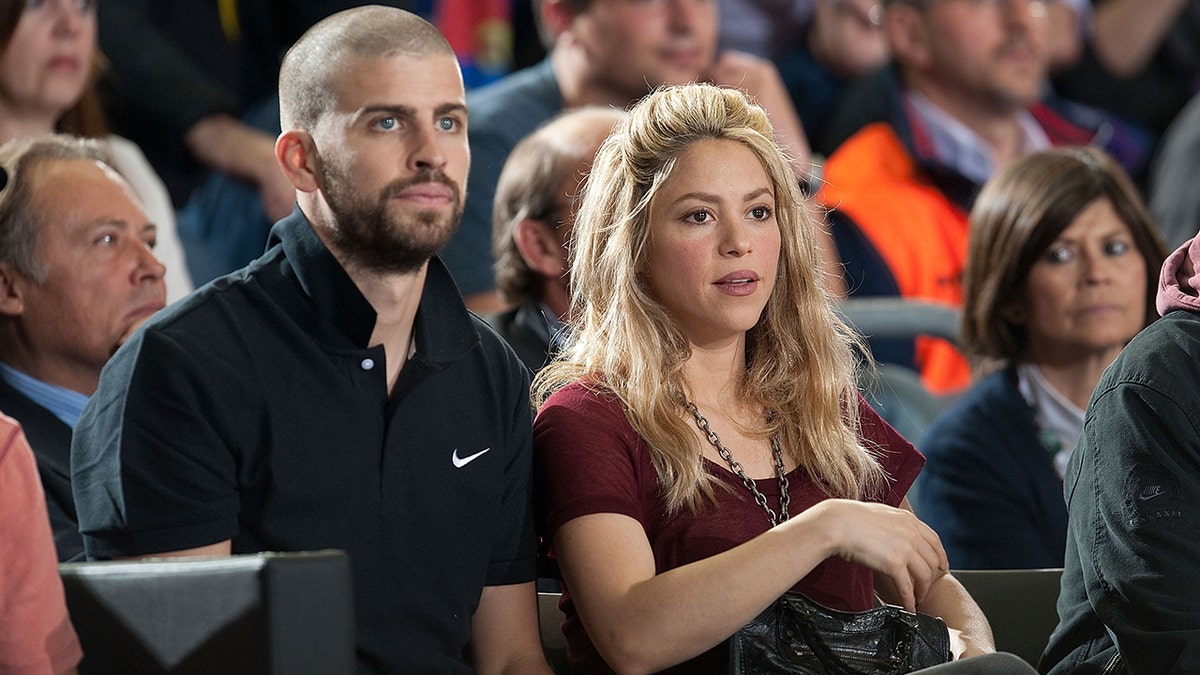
x,y
65,62
740,283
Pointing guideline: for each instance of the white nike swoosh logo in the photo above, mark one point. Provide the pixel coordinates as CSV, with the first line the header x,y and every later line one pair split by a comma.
x,y
460,462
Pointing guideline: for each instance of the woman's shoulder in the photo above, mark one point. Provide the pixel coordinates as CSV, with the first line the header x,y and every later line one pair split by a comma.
x,y
585,401
585,395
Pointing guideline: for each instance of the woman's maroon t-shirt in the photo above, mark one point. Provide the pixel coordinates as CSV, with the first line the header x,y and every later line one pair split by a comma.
x,y
590,460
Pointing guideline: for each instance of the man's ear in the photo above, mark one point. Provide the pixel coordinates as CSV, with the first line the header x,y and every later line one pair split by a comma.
x,y
539,247
556,16
907,35
297,156
12,285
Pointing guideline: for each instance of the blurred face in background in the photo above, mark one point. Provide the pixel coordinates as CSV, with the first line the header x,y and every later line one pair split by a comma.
x,y
637,45
48,59
990,54
847,36
1085,296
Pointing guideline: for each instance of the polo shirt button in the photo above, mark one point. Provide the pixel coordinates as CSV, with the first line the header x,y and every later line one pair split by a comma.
x,y
368,364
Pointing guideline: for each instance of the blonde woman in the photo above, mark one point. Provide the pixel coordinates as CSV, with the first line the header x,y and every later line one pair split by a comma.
x,y
702,448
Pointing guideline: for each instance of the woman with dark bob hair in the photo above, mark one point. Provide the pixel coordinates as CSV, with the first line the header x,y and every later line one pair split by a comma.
x,y
1062,262
702,447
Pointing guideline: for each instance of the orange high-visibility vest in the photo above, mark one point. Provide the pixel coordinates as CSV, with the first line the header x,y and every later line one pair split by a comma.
x,y
920,234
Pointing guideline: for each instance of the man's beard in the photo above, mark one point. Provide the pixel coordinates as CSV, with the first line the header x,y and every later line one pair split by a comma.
x,y
371,238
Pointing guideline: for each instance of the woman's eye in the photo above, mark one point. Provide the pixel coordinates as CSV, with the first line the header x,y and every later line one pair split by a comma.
x,y
760,212
698,217
1058,255
1116,247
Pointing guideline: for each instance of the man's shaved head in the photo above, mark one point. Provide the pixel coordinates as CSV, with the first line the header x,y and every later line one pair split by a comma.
x,y
306,76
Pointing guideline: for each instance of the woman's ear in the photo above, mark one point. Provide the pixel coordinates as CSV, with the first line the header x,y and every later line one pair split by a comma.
x,y
298,159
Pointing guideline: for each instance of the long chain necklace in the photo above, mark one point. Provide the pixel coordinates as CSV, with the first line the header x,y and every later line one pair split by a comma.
x,y
760,498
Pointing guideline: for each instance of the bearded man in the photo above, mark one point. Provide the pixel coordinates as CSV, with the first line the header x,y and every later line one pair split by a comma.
x,y
336,393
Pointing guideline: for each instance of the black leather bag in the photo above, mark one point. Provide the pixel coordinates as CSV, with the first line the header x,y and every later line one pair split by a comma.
x,y
797,635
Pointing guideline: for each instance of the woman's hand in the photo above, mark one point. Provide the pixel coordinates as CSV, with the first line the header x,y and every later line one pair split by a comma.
x,y
964,646
890,541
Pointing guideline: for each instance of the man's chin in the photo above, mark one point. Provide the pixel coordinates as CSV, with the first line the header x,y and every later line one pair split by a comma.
x,y
131,330
429,229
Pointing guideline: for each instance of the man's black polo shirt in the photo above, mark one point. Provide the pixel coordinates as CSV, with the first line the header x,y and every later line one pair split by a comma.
x,y
253,411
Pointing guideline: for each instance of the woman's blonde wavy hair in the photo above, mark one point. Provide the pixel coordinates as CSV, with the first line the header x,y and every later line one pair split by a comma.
x,y
801,358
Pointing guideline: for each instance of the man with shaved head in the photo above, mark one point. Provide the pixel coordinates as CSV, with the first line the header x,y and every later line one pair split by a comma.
x,y
335,393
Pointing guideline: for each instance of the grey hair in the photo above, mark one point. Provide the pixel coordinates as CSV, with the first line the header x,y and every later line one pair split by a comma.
x,y
19,223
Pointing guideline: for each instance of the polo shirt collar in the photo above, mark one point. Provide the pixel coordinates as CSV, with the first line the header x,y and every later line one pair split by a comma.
x,y
442,328
336,299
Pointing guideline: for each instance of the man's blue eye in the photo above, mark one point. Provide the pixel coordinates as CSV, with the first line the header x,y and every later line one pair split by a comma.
x,y
387,123
447,124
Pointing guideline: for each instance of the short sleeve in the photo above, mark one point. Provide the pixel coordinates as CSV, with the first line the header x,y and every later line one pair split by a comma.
x,y
586,458
153,456
36,635
900,459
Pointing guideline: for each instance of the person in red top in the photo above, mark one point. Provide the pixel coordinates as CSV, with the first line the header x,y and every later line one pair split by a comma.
x,y
36,636
702,447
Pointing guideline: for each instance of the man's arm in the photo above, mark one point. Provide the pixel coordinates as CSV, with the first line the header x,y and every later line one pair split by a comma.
x,y
1127,33
222,548
504,631
222,142
152,459
1133,518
